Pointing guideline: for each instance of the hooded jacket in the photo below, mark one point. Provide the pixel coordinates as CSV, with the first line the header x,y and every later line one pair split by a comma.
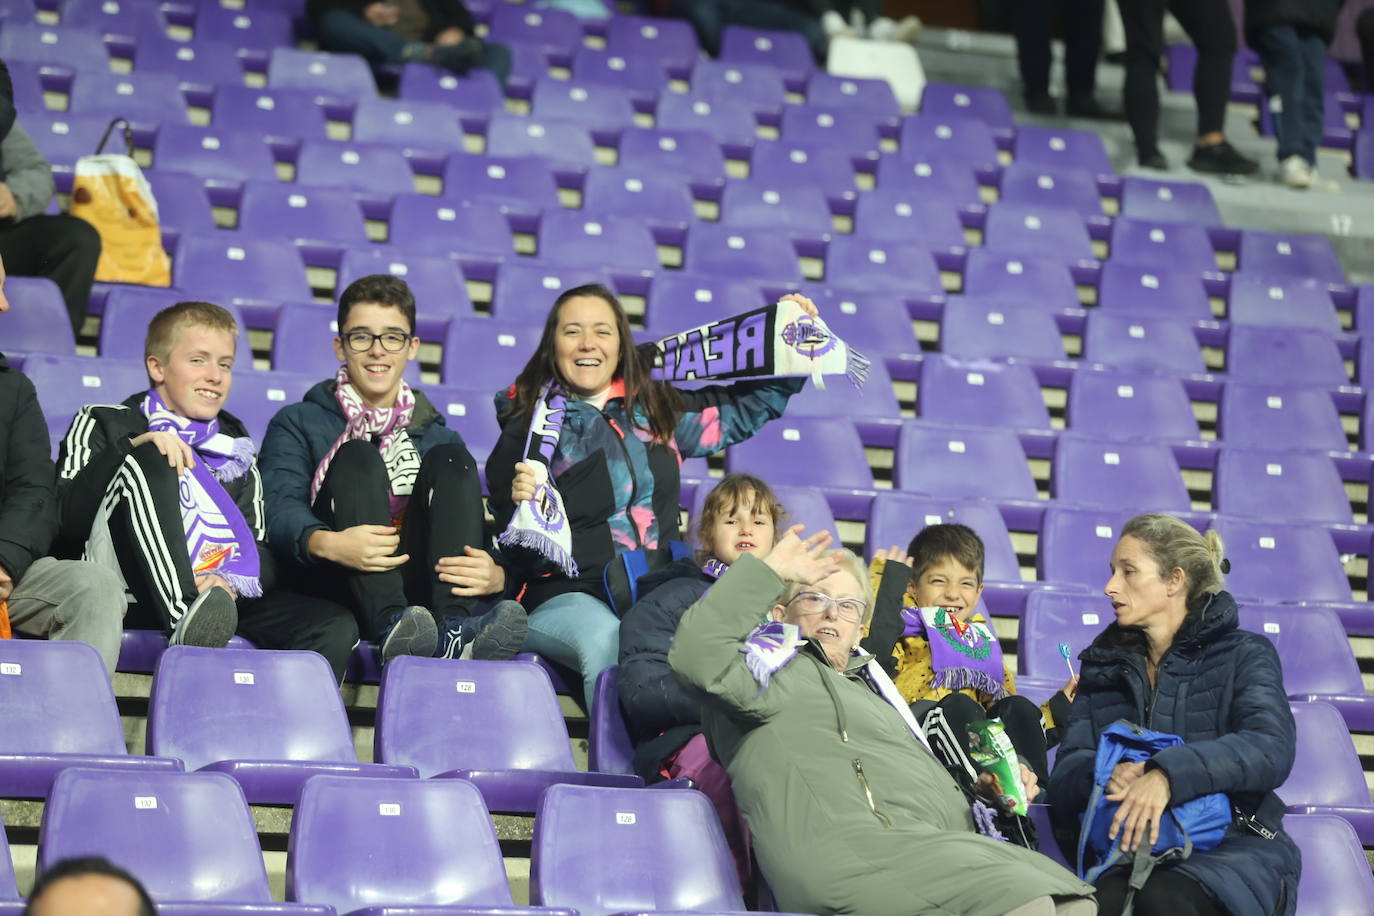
x,y
28,498
1220,689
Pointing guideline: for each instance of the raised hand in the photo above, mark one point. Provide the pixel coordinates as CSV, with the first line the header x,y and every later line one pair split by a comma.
x,y
807,305
805,561
893,554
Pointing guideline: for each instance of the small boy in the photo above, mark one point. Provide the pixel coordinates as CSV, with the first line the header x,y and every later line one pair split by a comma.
x,y
164,490
946,660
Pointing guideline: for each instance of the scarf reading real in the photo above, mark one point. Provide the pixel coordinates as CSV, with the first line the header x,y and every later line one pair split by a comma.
x,y
771,342
385,427
218,539
962,655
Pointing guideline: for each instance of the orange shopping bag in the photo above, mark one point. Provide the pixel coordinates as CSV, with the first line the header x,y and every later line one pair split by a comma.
x,y
110,192
4,620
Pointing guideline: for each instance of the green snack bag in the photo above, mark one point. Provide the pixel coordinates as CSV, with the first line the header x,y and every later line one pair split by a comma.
x,y
991,749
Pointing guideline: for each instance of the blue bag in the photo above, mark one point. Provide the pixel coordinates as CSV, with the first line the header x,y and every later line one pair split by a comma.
x,y
1199,823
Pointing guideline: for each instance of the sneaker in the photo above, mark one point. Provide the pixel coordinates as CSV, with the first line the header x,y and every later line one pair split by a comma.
x,y
1154,159
495,636
1041,103
1221,159
209,621
1296,172
409,632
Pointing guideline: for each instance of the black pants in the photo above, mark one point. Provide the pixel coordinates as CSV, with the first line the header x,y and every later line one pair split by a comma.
x,y
946,726
443,515
145,530
62,248
1082,44
1166,893
1212,31
1364,31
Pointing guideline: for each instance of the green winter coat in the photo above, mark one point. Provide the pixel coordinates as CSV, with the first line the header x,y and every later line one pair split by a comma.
x,y
849,812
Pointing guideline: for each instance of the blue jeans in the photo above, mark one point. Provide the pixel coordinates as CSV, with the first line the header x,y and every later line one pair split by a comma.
x,y
1294,68
350,34
579,631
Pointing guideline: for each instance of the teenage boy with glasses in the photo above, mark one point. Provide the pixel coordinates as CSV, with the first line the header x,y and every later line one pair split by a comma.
x,y
373,501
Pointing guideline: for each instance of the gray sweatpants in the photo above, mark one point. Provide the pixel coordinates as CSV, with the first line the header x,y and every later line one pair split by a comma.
x,y
71,600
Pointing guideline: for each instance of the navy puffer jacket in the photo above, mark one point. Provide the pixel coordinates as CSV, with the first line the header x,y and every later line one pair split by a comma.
x,y
1220,688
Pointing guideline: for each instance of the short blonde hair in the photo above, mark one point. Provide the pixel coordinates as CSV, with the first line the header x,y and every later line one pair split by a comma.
x,y
1173,543
850,563
167,324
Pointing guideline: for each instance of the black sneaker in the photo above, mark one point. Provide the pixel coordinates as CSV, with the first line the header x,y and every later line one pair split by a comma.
x,y
1085,106
1154,159
1221,159
495,636
409,632
209,621
1041,103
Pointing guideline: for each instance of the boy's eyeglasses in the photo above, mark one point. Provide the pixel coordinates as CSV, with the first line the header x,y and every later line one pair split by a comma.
x,y
851,609
361,341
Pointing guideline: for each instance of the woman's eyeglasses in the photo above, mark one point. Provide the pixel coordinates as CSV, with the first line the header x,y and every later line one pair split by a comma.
x,y
851,609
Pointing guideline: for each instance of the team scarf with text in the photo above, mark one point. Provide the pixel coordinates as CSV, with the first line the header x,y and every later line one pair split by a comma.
x,y
383,426
218,539
775,341
962,654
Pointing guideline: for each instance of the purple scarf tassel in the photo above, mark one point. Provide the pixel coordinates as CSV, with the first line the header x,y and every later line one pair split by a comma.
x,y
768,648
237,462
964,678
985,821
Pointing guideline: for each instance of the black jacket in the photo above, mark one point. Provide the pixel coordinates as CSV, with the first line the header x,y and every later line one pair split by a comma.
x,y
442,14
1311,15
28,501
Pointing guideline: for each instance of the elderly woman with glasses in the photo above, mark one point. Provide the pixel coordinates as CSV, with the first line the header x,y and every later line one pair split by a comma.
x,y
850,811
374,502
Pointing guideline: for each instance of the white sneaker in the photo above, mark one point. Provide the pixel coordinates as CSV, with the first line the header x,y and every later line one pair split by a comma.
x,y
835,26
1296,172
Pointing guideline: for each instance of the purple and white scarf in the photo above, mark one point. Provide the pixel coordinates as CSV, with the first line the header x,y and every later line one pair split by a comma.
x,y
386,426
962,655
218,539
541,523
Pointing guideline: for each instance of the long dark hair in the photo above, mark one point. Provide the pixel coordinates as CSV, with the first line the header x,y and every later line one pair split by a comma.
x,y
659,401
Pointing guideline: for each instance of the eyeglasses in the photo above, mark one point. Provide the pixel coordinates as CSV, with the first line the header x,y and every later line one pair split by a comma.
x,y
851,609
361,341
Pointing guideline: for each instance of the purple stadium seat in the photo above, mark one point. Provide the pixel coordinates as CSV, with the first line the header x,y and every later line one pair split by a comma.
x,y
1313,648
397,846
486,353
436,282
1363,165
340,80
1050,232
256,29
303,341
39,744
1039,282
321,221
128,311
1138,289
1282,301
122,26
145,99
452,719
662,201
37,319
827,168
240,268
529,63
368,170
283,117
869,266
277,720
17,11
470,413
873,410
63,139
259,395
475,96
27,79
873,96
785,52
758,203
909,215
928,176
756,254
473,232
980,393
670,42
878,325
1327,776
65,384
427,132
730,125
1265,554
609,749
1055,617
963,139
524,290
987,105
851,129
1335,879
556,32
978,329
755,88
1076,544
1127,405
226,156
1169,201
188,836
804,505
799,451
1137,343
1280,484
1259,415
182,205
643,77
139,650
10,901
1279,254
566,145
606,111
690,154
1295,356
1182,247
678,301
1097,472
622,245
637,832
201,68
1061,148
962,462
73,48
1037,186
523,187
